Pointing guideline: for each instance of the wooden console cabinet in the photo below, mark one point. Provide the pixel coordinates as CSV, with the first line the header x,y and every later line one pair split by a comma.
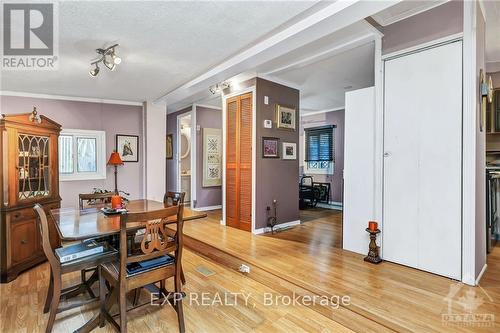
x,y
29,175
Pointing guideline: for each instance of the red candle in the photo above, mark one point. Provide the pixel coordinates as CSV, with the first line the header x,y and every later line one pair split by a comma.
x,y
116,202
372,225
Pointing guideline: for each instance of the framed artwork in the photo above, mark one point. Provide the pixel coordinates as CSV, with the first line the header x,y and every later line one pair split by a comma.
x,y
212,157
285,117
170,147
289,151
270,147
128,147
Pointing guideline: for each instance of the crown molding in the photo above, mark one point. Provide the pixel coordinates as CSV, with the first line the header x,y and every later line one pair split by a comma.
x,y
69,98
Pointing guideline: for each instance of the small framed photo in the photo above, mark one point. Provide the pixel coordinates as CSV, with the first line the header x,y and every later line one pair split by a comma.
x,y
289,151
270,148
170,147
285,117
128,147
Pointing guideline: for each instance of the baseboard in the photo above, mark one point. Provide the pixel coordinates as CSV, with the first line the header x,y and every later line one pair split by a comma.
x,y
204,209
277,227
481,274
331,205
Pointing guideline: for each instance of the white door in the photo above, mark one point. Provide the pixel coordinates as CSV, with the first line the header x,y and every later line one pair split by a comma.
x,y
422,224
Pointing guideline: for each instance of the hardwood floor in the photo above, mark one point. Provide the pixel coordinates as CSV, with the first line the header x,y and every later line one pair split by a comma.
x,y
22,303
393,296
303,261
319,226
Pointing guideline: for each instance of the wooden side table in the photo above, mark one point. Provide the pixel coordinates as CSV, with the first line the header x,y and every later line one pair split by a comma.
x,y
373,255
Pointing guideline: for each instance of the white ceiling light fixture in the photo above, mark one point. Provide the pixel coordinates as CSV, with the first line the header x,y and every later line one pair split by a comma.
x,y
219,87
108,57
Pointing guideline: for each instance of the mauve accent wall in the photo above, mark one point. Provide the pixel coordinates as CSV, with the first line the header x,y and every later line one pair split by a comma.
x,y
438,22
111,118
171,164
276,178
206,196
329,118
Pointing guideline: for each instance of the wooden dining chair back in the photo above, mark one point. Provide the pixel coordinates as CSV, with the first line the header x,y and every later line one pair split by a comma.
x,y
57,269
94,198
174,198
155,243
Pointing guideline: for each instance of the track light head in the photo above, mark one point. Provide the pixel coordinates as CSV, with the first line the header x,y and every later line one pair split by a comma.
x,y
109,64
116,59
94,71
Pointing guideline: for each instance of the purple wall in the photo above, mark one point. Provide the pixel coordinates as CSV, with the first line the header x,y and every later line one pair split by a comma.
x,y
171,164
438,22
328,118
276,178
206,196
112,118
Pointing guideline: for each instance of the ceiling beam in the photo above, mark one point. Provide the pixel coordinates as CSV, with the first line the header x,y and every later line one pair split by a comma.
x,y
325,21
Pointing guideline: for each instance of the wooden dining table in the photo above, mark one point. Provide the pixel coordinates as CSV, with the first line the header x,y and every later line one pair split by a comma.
x,y
74,224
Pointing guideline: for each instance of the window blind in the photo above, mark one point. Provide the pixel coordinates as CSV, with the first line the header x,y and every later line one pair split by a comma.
x,y
320,143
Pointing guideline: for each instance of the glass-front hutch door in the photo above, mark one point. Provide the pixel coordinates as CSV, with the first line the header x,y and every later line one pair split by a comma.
x,y
33,166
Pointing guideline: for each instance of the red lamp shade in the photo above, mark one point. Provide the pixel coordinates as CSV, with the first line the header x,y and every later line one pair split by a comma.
x,y
115,159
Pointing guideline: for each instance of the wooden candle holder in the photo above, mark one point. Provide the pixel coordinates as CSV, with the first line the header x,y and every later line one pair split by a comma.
x,y
373,255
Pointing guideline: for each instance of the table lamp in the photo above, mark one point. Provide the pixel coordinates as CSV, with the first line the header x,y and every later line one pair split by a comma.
x,y
115,160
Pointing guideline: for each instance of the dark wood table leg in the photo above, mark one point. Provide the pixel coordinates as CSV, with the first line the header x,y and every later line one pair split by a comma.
x,y
94,322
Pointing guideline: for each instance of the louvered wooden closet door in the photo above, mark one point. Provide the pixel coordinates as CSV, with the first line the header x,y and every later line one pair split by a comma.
x,y
239,162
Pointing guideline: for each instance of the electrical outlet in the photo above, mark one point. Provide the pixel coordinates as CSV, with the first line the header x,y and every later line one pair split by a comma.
x,y
244,268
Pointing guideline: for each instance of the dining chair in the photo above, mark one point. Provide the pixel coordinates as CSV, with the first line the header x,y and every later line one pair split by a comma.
x,y
93,198
156,244
58,269
174,199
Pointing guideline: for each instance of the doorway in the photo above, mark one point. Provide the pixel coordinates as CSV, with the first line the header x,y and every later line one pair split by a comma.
x,y
184,156
238,185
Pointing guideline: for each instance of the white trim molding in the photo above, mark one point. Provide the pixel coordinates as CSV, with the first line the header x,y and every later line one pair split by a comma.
x,y
312,113
277,227
69,98
194,156
423,46
469,145
481,274
207,208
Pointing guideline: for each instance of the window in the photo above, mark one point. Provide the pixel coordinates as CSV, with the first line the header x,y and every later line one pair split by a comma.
x,y
319,149
82,155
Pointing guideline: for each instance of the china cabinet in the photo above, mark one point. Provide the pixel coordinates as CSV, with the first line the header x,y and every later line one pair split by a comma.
x,y
29,168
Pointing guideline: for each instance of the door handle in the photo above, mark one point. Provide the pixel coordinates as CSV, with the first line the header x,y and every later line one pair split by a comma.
x,y
387,154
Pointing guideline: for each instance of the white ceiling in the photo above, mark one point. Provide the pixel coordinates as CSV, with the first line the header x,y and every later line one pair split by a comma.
x,y
162,44
323,84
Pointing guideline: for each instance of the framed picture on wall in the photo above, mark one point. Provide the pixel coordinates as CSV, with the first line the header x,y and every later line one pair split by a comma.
x,y
128,147
270,148
212,157
289,151
285,117
169,147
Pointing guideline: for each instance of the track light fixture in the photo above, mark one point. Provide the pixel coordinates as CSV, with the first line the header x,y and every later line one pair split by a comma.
x,y
217,88
108,57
